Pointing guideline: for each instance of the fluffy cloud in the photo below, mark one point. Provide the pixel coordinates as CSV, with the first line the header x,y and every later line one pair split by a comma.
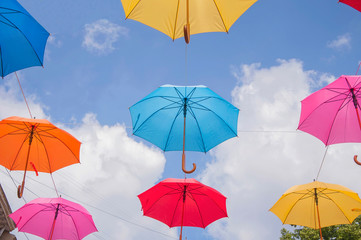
x,y
101,35
270,156
341,42
114,169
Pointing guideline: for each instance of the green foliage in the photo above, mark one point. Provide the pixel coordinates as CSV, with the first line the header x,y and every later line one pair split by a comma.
x,y
337,232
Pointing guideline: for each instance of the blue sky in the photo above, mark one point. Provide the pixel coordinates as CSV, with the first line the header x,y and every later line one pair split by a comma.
x,y
97,64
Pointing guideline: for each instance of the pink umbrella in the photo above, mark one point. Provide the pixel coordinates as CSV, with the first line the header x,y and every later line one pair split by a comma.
x,y
332,114
183,202
54,218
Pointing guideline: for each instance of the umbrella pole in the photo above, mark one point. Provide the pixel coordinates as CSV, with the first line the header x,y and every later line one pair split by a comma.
x,y
184,201
318,214
21,187
355,103
53,226
183,154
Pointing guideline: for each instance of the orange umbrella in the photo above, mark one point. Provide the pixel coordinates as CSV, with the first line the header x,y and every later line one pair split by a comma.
x,y
35,145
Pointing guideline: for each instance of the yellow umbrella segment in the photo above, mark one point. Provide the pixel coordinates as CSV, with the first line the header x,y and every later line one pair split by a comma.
x,y
178,18
317,205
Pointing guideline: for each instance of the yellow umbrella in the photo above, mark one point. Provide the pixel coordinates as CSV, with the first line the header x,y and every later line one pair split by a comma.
x,y
317,205
177,18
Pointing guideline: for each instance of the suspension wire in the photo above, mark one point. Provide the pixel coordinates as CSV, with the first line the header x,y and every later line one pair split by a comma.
x,y
186,65
27,105
12,179
19,183
358,68
56,190
103,211
323,159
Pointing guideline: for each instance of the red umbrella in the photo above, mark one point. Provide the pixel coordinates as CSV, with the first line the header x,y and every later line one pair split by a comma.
x,y
356,4
183,202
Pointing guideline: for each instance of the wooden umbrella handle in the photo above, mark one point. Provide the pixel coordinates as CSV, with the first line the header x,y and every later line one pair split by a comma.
x,y
184,165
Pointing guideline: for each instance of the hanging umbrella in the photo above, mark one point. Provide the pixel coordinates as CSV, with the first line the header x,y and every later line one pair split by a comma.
x,y
332,114
183,18
35,145
317,205
183,202
184,118
54,218
356,4
22,38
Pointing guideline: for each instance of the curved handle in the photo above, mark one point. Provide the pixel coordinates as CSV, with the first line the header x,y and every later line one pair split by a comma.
x,y
356,161
187,33
21,190
184,165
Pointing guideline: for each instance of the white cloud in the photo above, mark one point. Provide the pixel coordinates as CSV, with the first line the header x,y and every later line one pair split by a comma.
x,y
341,42
101,35
12,102
114,169
270,156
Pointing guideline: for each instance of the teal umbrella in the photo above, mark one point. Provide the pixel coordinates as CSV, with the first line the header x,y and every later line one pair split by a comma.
x,y
22,38
184,118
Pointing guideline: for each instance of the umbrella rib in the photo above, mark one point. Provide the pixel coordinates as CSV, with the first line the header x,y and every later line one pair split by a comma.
x,y
126,17
32,47
171,128
293,205
160,109
174,212
66,146
199,128
329,198
203,194
17,154
334,119
2,66
220,15
39,211
72,219
175,21
325,102
220,119
198,208
46,153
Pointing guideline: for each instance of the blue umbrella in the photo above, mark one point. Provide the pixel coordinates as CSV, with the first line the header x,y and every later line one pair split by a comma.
x,y
22,38
184,118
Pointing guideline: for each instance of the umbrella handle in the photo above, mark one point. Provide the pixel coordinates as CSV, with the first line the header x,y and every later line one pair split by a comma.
x,y
184,165
187,34
356,161
21,189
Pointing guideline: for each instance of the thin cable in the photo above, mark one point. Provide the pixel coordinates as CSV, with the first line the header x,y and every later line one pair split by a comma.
x,y
14,183
103,211
358,68
56,190
27,105
186,65
323,159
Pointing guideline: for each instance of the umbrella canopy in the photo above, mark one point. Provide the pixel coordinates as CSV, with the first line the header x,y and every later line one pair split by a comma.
x,y
356,4
36,145
332,113
317,205
184,118
183,202
170,17
22,38
54,218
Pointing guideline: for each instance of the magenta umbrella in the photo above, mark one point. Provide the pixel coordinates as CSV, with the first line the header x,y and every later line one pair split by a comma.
x,y
54,218
332,114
